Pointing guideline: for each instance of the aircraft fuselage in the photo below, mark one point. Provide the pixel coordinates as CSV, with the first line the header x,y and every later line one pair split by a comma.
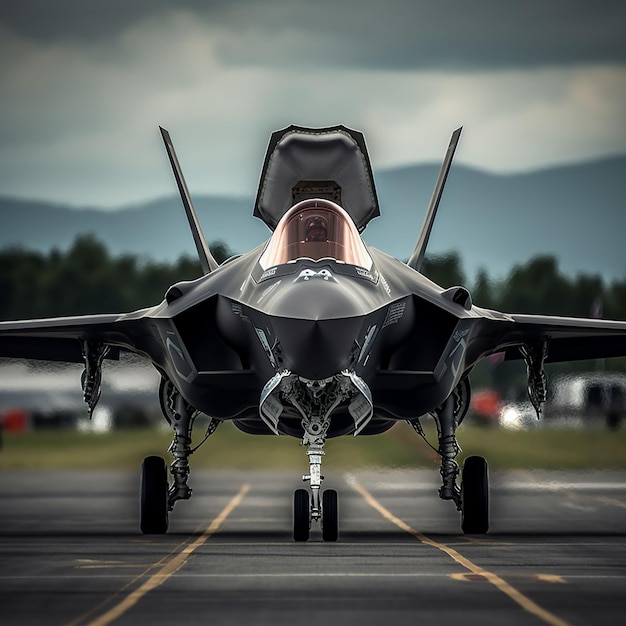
x,y
314,319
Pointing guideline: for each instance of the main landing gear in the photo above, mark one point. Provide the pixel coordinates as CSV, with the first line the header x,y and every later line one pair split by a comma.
x,y
472,497
157,497
313,505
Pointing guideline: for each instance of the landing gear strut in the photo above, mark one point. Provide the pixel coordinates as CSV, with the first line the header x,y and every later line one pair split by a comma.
x,y
307,509
448,450
157,498
472,498
315,401
94,353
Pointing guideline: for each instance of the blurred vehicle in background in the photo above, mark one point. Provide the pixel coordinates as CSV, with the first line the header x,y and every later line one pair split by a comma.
x,y
36,395
592,397
574,400
486,407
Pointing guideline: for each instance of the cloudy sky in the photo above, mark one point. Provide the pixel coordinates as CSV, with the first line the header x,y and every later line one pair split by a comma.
x,y
85,84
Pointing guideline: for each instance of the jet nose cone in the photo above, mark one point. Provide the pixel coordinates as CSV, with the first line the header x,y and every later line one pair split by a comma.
x,y
315,300
317,349
316,320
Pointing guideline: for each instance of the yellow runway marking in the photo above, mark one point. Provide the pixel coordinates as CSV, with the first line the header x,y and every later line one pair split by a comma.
x,y
103,566
171,566
487,542
546,578
611,501
550,578
97,564
464,576
517,596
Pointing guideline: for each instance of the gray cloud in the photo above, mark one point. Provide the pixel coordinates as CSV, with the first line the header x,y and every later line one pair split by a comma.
x,y
83,89
403,34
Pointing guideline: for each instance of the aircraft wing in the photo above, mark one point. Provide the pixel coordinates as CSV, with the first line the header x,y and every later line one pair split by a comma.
x,y
61,338
569,338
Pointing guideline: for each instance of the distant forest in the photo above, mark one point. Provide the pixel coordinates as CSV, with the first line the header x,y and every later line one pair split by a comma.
x,y
88,279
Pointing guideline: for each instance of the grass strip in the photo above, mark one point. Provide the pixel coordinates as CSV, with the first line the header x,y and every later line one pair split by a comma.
x,y
541,448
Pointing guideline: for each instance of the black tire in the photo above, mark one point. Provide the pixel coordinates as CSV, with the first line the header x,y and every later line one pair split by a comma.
x,y
330,529
301,515
475,496
153,496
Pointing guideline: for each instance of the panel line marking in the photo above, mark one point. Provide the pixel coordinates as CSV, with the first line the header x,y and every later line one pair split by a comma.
x,y
517,596
171,566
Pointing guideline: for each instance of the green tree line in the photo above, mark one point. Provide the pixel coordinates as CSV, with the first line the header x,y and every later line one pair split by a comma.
x,y
537,286
88,279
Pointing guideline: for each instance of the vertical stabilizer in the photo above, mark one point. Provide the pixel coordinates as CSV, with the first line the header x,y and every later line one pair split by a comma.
x,y
417,258
206,258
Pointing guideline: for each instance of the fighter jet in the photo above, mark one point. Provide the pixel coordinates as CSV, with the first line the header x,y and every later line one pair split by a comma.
x,y
314,334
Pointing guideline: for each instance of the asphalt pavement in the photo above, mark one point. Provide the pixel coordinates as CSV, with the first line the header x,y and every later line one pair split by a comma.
x,y
71,552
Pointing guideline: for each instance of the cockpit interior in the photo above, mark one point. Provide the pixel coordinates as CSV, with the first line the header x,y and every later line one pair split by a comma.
x,y
316,229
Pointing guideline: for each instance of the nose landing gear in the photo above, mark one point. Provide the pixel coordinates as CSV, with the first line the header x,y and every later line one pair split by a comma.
x,y
309,508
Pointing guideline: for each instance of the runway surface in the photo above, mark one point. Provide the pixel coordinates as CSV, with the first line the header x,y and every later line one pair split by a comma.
x,y
71,552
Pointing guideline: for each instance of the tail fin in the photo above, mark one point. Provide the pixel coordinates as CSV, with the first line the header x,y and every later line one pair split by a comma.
x,y
207,261
417,258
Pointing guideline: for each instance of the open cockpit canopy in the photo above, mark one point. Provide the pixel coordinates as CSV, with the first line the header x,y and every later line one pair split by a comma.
x,y
305,163
316,229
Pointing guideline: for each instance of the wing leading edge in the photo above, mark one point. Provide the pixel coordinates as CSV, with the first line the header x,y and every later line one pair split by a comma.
x,y
63,338
569,338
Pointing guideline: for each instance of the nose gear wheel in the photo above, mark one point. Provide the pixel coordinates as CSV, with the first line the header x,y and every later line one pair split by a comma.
x,y
329,515
308,508
301,515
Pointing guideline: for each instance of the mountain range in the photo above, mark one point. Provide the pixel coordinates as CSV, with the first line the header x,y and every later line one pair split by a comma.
x,y
574,212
